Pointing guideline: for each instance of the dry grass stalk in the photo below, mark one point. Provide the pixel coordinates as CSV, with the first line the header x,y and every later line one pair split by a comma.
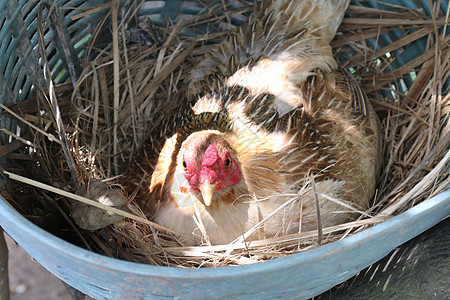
x,y
83,200
125,85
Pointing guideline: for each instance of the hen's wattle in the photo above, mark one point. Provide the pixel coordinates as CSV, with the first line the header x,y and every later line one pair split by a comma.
x,y
264,114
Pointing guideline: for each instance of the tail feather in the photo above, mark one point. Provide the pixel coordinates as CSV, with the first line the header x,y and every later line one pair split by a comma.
x,y
322,17
282,42
298,28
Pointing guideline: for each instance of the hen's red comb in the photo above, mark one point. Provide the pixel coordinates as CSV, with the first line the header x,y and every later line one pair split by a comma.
x,y
210,156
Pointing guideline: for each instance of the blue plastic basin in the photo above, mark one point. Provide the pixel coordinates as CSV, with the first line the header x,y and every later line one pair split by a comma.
x,y
298,276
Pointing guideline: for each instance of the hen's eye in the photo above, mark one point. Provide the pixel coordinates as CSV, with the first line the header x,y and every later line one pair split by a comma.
x,y
184,165
227,162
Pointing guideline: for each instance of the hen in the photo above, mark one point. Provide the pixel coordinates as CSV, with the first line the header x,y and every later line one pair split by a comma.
x,y
268,124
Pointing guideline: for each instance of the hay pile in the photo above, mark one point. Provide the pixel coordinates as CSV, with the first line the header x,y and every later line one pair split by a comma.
x,y
92,131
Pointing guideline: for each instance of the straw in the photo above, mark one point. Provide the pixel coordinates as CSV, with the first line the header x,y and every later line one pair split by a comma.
x,y
124,87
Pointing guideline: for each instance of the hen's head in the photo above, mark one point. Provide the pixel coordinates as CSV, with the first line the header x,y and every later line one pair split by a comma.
x,y
209,164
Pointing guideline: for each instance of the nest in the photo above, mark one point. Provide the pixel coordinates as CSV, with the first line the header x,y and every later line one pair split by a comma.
x,y
88,130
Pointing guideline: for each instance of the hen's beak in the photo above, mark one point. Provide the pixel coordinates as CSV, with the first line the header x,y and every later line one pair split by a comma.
x,y
207,190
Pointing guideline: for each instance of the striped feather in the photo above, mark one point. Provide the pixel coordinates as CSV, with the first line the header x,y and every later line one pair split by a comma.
x,y
272,93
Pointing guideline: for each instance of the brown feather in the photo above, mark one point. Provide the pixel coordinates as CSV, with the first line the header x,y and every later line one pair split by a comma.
x,y
273,94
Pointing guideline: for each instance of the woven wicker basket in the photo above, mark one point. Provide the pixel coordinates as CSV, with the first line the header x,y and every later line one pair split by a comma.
x,y
297,276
